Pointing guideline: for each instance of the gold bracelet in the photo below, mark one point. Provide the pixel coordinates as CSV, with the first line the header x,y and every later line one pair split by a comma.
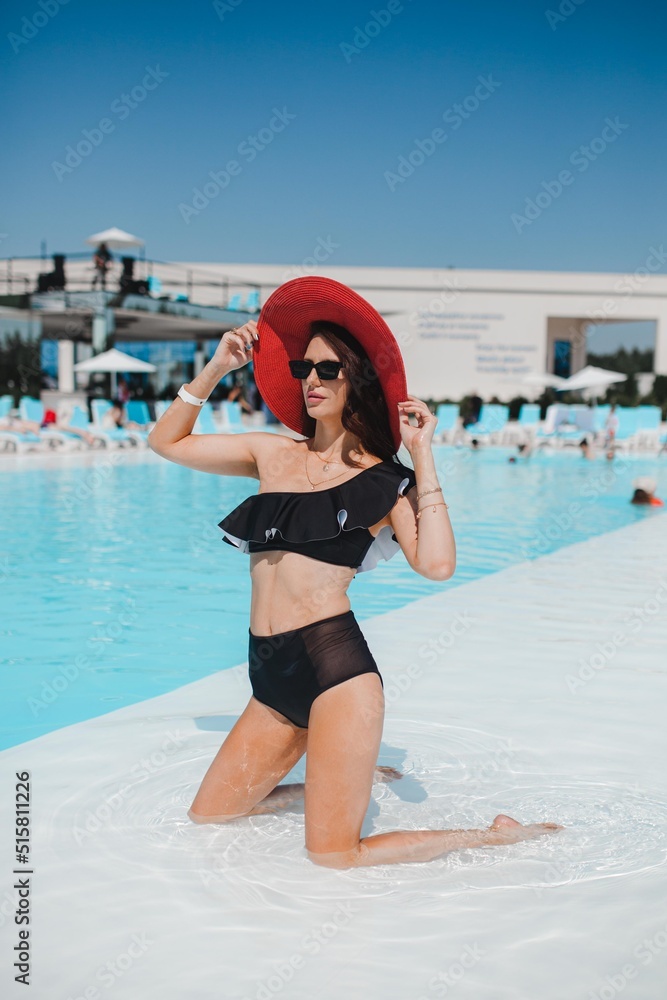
x,y
438,489
420,512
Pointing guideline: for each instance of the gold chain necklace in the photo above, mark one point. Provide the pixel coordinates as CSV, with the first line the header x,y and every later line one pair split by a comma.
x,y
312,484
327,462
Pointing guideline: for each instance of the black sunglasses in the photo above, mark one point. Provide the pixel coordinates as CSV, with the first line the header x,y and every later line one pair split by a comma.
x,y
325,369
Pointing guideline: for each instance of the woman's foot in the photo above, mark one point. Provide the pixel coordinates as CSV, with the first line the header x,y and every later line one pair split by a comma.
x,y
511,831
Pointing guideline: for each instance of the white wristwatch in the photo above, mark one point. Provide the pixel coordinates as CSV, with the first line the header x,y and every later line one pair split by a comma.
x,y
187,397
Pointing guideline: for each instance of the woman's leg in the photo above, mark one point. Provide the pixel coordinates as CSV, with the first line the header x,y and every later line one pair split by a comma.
x,y
261,748
345,728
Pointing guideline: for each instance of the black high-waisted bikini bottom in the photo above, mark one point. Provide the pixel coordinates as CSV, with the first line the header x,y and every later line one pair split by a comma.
x,y
289,670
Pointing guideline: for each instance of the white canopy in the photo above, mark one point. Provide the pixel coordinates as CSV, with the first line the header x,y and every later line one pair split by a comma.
x,y
114,361
591,377
115,238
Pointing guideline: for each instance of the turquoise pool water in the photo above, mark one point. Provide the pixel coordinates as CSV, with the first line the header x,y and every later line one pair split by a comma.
x,y
116,586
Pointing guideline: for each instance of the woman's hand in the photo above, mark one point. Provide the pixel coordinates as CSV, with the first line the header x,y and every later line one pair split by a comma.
x,y
422,435
231,352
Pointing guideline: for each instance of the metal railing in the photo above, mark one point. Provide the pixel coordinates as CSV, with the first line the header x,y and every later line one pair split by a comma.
x,y
15,281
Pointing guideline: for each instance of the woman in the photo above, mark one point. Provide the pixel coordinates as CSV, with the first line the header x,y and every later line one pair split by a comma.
x,y
644,492
328,506
114,418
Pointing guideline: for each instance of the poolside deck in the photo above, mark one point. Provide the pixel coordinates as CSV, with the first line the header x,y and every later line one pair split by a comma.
x,y
542,696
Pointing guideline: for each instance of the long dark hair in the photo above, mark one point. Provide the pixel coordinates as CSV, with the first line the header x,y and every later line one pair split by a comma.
x,y
365,411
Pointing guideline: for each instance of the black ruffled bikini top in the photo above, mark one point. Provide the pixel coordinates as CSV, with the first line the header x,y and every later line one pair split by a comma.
x,y
330,525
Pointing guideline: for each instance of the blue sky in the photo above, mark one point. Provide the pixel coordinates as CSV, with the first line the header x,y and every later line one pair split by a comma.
x,y
330,125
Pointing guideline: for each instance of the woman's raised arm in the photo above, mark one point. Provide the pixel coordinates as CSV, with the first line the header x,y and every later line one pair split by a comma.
x,y
223,454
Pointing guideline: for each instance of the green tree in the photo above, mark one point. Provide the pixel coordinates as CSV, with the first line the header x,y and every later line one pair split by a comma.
x,y
20,367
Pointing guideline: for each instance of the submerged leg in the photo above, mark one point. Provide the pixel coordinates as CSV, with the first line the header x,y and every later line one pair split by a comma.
x,y
425,845
343,742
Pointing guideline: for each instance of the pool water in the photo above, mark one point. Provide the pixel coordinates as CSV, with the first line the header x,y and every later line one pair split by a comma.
x,y
117,586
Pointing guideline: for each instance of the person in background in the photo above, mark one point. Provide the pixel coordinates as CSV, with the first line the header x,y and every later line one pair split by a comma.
x,y
587,450
101,259
644,492
524,450
62,423
18,425
236,396
474,409
611,426
50,422
123,391
115,417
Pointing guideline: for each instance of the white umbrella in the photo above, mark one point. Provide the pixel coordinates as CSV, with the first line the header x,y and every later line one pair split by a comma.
x,y
115,238
591,377
113,361
542,378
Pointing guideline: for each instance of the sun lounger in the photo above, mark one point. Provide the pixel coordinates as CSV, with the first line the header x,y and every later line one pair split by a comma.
x,y
205,422
33,409
20,442
161,406
232,417
116,435
79,419
628,425
546,430
648,426
448,421
6,406
492,423
137,410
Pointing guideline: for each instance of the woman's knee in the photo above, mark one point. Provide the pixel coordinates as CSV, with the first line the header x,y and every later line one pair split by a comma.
x,y
339,859
202,818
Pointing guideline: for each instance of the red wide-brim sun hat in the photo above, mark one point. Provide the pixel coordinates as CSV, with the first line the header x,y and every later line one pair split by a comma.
x,y
284,332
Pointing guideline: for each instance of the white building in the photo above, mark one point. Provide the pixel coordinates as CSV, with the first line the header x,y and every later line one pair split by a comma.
x,y
459,330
